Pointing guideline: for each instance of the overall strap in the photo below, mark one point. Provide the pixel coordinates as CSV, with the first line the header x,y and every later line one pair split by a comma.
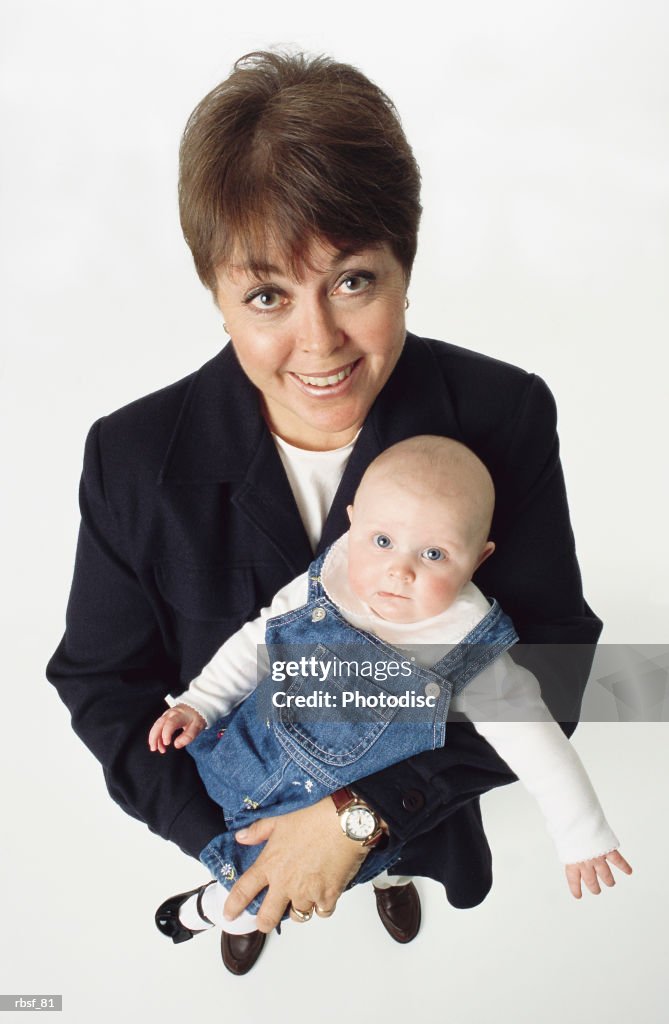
x,y
316,591
492,636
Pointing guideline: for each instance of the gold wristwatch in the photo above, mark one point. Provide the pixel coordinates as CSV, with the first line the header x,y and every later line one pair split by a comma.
x,y
358,821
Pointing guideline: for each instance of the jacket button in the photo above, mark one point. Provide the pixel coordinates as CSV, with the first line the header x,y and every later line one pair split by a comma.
x,y
432,690
413,800
318,614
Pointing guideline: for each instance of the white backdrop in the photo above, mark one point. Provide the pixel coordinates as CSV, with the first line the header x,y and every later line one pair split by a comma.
x,y
542,133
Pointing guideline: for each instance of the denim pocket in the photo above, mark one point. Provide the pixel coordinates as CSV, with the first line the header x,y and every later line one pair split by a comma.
x,y
239,760
336,720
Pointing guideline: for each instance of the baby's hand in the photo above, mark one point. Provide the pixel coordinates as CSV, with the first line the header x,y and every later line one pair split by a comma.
x,y
588,870
178,717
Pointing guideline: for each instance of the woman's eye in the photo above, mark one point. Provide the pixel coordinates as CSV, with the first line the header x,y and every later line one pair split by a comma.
x,y
433,554
382,540
355,283
265,300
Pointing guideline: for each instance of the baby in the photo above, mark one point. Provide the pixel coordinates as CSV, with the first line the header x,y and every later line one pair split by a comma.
x,y
395,590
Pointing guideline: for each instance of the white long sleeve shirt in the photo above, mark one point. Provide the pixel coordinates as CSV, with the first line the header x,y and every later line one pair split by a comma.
x,y
503,702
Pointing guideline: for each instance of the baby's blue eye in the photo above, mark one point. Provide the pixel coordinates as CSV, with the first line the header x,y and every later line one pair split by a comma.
x,y
382,540
433,554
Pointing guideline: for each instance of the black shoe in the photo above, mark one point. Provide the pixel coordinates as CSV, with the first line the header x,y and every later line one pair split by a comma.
x,y
167,915
240,952
399,910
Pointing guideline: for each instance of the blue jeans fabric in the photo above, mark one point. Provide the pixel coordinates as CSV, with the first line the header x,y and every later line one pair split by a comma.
x,y
258,761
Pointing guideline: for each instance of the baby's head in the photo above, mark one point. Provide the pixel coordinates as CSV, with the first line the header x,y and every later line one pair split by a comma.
x,y
419,527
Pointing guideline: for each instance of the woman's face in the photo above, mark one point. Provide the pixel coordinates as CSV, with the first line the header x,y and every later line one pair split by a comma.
x,y
319,348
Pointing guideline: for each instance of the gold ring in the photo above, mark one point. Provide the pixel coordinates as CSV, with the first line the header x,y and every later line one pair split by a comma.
x,y
302,915
322,912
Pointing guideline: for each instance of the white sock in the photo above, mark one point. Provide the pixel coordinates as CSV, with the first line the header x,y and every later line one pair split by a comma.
x,y
213,898
386,881
189,916
241,925
212,904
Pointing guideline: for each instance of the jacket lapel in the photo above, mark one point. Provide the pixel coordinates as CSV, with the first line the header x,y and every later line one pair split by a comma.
x,y
266,498
221,437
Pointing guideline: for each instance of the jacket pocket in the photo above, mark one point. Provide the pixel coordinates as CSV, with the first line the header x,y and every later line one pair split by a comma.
x,y
206,593
204,605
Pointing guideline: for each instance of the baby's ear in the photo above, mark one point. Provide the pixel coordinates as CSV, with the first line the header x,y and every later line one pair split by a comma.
x,y
488,549
349,513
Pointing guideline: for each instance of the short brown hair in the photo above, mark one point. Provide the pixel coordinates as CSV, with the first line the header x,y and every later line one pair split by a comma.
x,y
290,148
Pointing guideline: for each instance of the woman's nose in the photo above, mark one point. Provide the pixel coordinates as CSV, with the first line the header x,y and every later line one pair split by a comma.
x,y
318,331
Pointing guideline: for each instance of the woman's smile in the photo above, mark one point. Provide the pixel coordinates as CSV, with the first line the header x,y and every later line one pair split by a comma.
x,y
327,384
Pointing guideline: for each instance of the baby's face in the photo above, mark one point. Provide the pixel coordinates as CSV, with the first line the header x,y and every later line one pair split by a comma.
x,y
409,555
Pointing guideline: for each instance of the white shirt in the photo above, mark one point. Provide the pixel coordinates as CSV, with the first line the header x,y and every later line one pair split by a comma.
x,y
314,478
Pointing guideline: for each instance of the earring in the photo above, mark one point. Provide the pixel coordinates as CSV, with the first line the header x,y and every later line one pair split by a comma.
x,y
406,302
225,328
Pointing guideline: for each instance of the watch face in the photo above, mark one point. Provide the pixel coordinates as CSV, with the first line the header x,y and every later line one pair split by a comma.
x,y
360,823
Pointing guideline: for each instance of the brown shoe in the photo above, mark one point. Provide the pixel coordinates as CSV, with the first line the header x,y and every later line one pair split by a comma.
x,y
399,910
240,952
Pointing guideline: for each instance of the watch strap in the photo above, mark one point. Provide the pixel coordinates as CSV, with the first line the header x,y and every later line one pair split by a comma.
x,y
342,798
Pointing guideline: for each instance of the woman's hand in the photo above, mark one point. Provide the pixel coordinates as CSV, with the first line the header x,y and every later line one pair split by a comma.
x,y
588,870
179,717
307,861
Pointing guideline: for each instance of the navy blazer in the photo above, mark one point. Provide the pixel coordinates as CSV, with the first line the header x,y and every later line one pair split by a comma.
x,y
189,527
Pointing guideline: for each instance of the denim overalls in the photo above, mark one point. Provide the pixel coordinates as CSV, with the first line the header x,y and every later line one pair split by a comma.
x,y
262,760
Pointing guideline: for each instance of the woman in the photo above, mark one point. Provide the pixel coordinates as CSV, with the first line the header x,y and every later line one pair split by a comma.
x,y
299,199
